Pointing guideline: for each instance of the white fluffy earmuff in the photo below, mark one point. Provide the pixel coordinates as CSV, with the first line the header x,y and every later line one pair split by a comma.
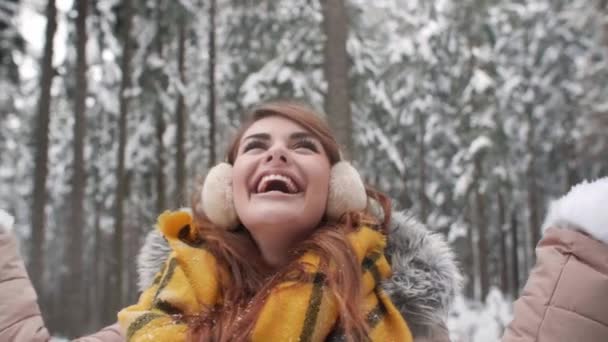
x,y
216,197
346,193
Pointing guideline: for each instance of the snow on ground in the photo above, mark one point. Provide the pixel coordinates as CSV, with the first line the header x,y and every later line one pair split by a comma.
x,y
6,220
473,322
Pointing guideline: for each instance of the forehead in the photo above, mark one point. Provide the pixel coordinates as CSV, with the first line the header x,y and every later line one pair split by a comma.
x,y
276,127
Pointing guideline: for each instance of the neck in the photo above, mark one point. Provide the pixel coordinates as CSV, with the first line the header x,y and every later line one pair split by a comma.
x,y
275,248
274,255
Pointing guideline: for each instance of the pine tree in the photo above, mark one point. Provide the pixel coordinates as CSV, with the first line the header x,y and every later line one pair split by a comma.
x,y
41,138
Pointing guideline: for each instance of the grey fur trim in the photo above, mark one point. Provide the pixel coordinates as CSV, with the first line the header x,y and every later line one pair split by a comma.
x,y
425,276
151,257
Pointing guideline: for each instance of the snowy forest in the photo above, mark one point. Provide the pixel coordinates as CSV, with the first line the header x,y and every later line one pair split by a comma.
x,y
471,114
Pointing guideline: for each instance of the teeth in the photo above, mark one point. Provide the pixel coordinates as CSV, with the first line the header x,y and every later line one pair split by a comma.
x,y
266,179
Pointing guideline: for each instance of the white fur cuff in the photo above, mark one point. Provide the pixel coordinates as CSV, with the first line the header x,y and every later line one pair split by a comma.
x,y
585,206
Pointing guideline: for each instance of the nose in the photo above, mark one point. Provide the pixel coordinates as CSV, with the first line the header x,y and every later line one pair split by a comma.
x,y
277,155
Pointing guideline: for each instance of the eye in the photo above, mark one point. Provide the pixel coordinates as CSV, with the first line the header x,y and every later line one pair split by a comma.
x,y
306,144
254,144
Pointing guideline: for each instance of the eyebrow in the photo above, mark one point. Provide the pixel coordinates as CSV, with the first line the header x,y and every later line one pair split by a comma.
x,y
292,136
260,136
302,135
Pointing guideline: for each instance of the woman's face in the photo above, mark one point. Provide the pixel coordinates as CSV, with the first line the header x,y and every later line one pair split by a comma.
x,y
280,178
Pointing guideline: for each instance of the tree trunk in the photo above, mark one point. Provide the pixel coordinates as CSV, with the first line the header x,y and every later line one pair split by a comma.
x,y
532,192
124,95
570,158
97,261
108,254
41,138
603,7
160,157
482,229
533,215
180,113
336,66
423,201
502,236
73,279
514,255
406,200
160,121
469,264
406,196
212,99
99,265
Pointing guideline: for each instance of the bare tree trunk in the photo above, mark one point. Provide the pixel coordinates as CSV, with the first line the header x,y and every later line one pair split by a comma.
x,y
109,297
570,164
502,236
603,7
533,216
212,96
99,265
482,229
160,121
180,113
469,264
336,66
124,95
73,279
405,197
160,157
41,137
422,168
97,288
514,255
406,200
132,234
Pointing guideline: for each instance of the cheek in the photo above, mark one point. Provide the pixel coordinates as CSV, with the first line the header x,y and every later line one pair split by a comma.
x,y
317,198
239,180
319,179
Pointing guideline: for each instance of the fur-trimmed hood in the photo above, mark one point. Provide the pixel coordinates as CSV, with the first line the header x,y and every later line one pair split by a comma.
x,y
424,281
582,208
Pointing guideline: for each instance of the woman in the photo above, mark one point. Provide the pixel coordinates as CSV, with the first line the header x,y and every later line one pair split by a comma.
x,y
285,243
566,296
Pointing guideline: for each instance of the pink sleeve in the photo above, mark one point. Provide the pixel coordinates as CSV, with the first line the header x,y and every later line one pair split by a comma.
x,y
530,308
20,318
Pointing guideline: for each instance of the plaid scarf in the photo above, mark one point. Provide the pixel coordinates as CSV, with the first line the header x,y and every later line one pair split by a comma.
x,y
293,311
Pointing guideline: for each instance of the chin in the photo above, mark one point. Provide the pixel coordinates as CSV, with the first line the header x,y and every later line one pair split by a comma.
x,y
279,218
275,217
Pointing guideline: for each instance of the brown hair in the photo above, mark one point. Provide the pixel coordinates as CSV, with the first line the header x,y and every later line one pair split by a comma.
x,y
249,280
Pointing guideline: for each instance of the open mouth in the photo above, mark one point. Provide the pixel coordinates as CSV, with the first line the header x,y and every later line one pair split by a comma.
x,y
276,182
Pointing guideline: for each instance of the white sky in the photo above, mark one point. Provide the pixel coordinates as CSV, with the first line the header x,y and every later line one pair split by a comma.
x,y
31,23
